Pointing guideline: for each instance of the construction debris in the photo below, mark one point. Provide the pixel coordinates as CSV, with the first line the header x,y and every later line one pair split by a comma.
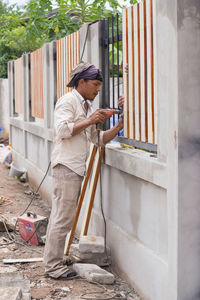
x,y
100,259
4,201
33,271
94,273
10,293
21,260
6,224
91,244
14,287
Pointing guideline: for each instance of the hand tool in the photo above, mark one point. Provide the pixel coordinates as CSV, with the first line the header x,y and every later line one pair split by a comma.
x,y
108,112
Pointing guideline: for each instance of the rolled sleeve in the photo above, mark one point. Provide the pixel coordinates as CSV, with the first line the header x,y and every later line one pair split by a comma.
x,y
64,119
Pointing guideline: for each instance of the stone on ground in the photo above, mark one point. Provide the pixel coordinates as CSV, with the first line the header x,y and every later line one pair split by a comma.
x,y
94,273
100,259
14,282
91,244
10,293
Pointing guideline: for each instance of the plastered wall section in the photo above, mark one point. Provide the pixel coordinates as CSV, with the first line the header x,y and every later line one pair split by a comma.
x,y
4,107
31,138
135,185
134,195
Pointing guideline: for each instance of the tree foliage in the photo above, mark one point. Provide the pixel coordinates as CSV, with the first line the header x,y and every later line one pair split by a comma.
x,y
27,29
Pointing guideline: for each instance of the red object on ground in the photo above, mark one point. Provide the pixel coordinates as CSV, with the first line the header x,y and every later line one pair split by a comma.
x,y
32,228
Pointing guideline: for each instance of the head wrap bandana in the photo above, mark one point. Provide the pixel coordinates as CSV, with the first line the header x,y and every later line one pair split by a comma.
x,y
89,72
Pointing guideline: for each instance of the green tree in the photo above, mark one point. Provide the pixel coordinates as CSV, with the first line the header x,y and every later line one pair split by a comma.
x,y
26,30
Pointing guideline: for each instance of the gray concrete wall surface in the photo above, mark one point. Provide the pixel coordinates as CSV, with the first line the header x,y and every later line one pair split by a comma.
x,y
4,107
188,150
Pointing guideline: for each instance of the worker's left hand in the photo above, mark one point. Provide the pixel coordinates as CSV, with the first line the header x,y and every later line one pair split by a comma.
x,y
121,122
121,101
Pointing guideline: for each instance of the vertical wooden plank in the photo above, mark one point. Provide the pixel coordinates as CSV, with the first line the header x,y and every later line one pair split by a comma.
x,y
142,71
149,92
78,46
131,78
91,192
68,54
72,45
81,198
61,66
41,109
155,76
37,101
139,71
66,80
137,134
18,75
32,83
125,76
57,74
152,68
145,71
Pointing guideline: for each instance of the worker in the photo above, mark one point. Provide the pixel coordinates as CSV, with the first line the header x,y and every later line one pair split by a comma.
x,y
74,129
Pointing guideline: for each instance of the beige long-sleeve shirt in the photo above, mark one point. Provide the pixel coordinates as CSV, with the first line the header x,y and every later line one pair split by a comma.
x,y
72,151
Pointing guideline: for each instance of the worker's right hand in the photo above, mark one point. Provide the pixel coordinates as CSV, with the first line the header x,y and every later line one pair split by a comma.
x,y
97,117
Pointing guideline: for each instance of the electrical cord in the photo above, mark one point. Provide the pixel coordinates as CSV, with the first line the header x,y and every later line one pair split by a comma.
x,y
12,239
33,198
86,37
106,294
101,198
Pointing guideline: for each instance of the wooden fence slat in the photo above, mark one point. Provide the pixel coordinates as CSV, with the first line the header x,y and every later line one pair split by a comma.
x,y
142,73
155,76
139,52
137,120
125,76
149,91
37,101
68,55
131,78
18,67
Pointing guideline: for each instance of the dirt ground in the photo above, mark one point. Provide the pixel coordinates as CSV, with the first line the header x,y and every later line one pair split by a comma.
x,y
15,200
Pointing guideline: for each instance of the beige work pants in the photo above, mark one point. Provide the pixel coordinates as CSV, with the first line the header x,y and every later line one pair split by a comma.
x,y
66,190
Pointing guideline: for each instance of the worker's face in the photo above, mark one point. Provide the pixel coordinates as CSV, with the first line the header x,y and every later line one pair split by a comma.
x,y
89,89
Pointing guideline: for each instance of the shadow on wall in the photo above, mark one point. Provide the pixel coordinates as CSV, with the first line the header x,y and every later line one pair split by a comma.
x,y
189,10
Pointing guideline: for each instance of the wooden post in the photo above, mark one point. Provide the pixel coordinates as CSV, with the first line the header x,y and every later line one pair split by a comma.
x,y
94,150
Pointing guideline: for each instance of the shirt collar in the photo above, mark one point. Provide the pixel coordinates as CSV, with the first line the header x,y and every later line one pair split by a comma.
x,y
80,97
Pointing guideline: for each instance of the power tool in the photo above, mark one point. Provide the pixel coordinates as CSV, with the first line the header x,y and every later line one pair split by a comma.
x,y
109,112
32,228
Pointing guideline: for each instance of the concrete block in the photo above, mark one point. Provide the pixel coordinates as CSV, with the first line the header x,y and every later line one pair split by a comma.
x,y
91,244
10,293
26,296
14,280
94,273
99,259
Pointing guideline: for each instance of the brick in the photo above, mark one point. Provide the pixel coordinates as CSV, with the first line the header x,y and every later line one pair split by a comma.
x,y
99,259
91,244
14,280
10,293
26,296
94,273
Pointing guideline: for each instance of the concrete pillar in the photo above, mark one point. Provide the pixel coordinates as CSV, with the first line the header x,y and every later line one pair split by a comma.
x,y
188,28
92,52
178,42
49,94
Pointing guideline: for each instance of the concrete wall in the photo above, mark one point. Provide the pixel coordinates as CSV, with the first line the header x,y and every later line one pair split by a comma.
x,y
31,138
150,203
4,107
